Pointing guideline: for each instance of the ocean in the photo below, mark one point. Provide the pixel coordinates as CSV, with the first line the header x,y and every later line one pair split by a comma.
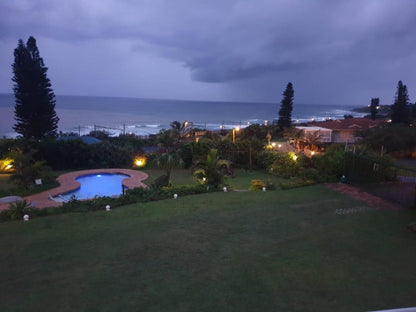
x,y
82,114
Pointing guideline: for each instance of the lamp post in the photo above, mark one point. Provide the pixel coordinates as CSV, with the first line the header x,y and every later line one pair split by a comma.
x,y
234,132
269,137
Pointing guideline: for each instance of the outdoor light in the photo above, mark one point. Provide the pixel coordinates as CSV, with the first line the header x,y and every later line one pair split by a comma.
x,y
224,189
264,189
313,153
107,208
6,164
204,179
140,161
175,196
279,146
26,217
234,131
293,156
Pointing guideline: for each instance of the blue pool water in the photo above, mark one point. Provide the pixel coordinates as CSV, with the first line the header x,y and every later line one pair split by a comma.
x,y
104,184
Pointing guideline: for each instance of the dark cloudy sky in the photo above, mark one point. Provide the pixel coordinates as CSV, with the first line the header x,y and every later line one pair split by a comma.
x,y
334,52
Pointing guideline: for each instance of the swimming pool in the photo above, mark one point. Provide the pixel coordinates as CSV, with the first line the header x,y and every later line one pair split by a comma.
x,y
103,184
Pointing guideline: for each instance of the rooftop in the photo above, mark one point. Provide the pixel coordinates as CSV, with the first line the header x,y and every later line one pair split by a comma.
x,y
351,124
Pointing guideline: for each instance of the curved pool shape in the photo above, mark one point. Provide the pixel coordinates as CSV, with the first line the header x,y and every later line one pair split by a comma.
x,y
104,184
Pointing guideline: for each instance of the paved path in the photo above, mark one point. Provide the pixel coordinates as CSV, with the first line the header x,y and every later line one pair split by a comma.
x,y
68,183
356,193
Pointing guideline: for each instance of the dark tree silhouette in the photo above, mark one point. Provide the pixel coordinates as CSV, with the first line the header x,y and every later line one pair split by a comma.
x,y
399,110
375,102
286,107
34,108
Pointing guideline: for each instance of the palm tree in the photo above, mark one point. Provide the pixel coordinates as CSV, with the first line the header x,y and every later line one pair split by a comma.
x,y
209,171
167,162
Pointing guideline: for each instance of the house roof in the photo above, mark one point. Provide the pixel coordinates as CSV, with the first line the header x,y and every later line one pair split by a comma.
x,y
313,128
351,124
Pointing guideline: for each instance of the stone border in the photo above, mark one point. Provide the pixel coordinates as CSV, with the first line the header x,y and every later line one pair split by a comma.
x,y
68,183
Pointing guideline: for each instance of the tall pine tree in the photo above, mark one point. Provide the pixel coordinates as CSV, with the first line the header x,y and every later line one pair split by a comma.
x,y
286,107
34,108
375,102
399,110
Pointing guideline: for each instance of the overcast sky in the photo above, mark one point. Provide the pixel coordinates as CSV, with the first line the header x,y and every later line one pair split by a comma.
x,y
334,52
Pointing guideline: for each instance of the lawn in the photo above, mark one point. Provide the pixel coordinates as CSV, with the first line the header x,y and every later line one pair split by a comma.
x,y
235,251
4,181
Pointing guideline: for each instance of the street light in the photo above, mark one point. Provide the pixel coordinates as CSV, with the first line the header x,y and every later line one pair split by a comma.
x,y
234,132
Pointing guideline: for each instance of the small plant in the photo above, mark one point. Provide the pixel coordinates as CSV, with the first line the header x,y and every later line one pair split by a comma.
x,y
257,185
19,209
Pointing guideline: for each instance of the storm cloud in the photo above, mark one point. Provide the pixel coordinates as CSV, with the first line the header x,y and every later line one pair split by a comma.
x,y
335,52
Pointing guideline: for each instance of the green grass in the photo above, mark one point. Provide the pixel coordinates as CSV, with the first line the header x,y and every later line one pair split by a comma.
x,y
4,181
250,251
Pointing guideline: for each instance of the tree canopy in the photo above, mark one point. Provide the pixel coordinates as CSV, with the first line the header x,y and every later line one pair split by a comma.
x,y
286,107
399,110
34,99
375,102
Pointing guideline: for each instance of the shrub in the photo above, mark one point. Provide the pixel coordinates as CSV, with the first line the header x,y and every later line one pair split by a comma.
x,y
18,209
160,182
257,185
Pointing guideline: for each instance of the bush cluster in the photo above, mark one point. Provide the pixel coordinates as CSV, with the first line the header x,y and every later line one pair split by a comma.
x,y
136,195
257,185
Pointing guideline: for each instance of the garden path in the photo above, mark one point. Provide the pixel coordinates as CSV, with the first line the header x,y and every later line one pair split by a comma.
x,y
356,193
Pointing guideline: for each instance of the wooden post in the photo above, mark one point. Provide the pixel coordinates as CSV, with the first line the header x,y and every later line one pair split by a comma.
x,y
250,161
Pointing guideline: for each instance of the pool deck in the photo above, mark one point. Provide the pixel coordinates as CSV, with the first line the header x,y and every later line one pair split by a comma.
x,y
68,183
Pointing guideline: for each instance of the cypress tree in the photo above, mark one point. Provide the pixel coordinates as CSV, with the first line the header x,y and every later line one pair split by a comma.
x,y
399,110
286,107
373,107
34,108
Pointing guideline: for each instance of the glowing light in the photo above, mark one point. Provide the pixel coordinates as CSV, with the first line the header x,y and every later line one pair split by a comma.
x,y
140,161
293,156
279,146
273,144
313,153
98,175
6,165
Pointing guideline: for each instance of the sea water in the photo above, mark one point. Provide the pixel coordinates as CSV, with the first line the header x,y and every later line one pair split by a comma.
x,y
82,114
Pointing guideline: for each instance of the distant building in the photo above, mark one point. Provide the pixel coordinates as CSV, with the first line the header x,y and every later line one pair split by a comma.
x,y
324,134
347,130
